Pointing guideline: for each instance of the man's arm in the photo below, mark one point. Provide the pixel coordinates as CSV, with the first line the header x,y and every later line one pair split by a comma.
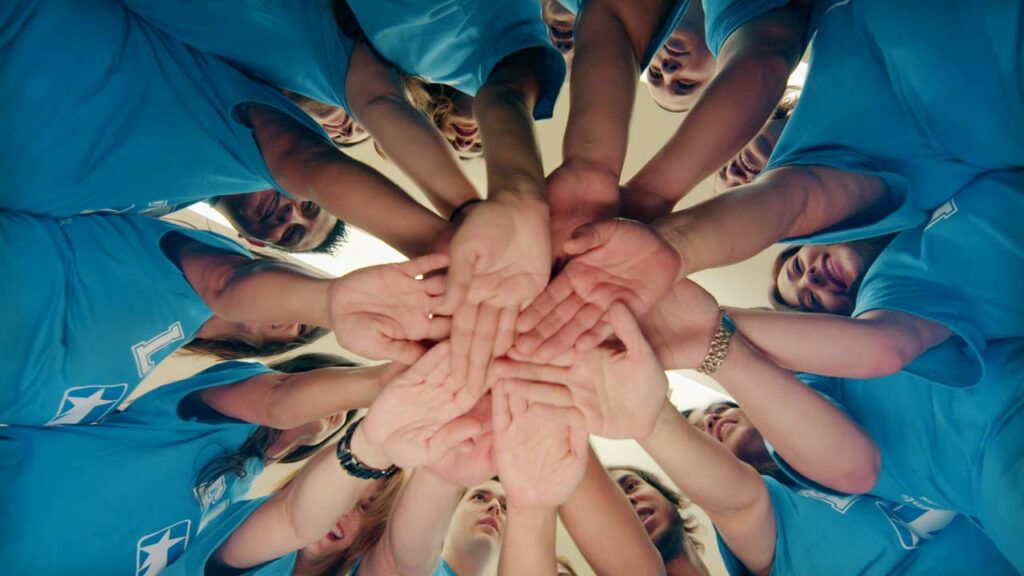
x,y
309,167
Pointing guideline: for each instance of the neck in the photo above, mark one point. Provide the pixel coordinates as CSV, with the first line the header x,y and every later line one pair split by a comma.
x,y
217,328
682,566
305,562
470,561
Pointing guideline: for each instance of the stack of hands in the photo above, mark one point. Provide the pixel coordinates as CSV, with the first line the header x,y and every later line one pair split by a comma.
x,y
510,373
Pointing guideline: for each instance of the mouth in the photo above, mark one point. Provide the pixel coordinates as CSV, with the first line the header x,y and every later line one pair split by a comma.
x,y
337,534
646,516
491,523
270,207
720,429
747,165
832,272
465,131
561,31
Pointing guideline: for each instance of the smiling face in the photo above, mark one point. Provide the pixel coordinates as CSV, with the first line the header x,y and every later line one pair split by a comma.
x,y
560,22
748,163
340,127
479,519
270,217
728,424
681,69
348,527
823,277
460,129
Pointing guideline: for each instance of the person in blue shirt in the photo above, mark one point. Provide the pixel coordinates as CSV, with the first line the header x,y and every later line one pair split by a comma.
x,y
162,125
918,436
764,525
190,448
145,288
749,162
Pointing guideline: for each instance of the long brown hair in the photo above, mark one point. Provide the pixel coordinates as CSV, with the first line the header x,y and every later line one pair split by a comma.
x,y
372,526
230,349
257,444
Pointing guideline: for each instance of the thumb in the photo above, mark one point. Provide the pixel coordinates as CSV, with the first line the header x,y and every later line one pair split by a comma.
x,y
460,276
625,326
453,434
584,238
403,351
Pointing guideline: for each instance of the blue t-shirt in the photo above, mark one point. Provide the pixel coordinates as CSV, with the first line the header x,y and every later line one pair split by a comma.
x,y
293,44
195,559
851,118
935,441
964,270
824,534
459,42
121,497
88,325
660,37
125,119
443,569
723,17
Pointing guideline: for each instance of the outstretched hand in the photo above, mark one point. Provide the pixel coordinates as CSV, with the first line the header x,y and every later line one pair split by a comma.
x,y
421,415
616,260
500,261
541,451
681,326
471,466
578,195
619,387
382,312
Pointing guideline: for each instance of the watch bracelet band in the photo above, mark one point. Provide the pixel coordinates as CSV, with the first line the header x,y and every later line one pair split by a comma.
x,y
457,212
351,465
719,344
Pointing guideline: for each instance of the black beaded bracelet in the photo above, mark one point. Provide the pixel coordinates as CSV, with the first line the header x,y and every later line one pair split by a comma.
x,y
352,465
462,208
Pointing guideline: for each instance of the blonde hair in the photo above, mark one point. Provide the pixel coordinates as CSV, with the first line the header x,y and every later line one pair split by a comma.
x,y
564,563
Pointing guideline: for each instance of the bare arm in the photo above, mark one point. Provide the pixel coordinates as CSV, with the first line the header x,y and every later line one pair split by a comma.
x,y
603,525
528,546
309,167
812,435
258,290
303,512
753,68
729,491
285,401
416,529
789,201
374,91
874,344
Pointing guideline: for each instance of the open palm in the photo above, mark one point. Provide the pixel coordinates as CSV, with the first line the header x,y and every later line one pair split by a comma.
x,y
471,466
616,260
419,416
382,312
541,451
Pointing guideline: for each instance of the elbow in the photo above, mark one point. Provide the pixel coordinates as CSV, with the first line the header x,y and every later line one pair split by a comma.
x,y
861,476
889,357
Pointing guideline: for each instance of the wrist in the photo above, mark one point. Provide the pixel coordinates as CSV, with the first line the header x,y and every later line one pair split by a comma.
x,y
668,417
366,451
671,235
535,517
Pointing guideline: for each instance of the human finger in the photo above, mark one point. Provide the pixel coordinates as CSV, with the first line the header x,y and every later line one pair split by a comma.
x,y
585,319
463,326
402,351
460,277
571,417
481,346
438,328
585,238
507,369
435,285
594,337
423,264
451,435
558,290
506,332
625,326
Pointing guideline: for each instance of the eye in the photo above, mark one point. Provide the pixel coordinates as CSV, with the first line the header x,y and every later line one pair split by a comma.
x,y
631,485
310,209
721,408
292,236
654,73
815,303
504,507
477,498
796,265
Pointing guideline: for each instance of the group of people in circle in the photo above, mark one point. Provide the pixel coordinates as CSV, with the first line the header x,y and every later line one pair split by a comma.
x,y
876,424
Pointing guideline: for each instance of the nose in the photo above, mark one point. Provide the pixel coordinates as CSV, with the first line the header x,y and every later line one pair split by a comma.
x,y
463,143
632,500
564,46
669,65
814,276
287,214
709,422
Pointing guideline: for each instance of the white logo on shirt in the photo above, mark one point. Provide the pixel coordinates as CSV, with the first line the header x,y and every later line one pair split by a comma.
x,y
87,404
144,351
943,212
158,550
839,503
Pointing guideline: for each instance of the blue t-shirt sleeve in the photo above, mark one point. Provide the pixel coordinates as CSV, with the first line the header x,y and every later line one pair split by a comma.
x,y
202,548
732,563
898,281
523,35
723,17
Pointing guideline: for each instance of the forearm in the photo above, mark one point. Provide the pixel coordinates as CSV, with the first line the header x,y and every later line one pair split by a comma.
x,y
413,143
833,345
309,396
811,434
735,105
514,167
270,292
528,546
604,525
416,529
302,513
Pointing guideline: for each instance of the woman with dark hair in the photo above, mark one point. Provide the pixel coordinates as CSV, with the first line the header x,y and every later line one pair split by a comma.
x,y
198,443
143,288
765,526
751,160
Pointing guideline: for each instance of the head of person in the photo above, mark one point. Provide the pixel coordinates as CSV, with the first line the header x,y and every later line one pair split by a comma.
x,y
478,524
339,125
451,111
726,423
823,278
239,340
749,162
560,22
356,532
660,510
683,66
269,218
286,446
